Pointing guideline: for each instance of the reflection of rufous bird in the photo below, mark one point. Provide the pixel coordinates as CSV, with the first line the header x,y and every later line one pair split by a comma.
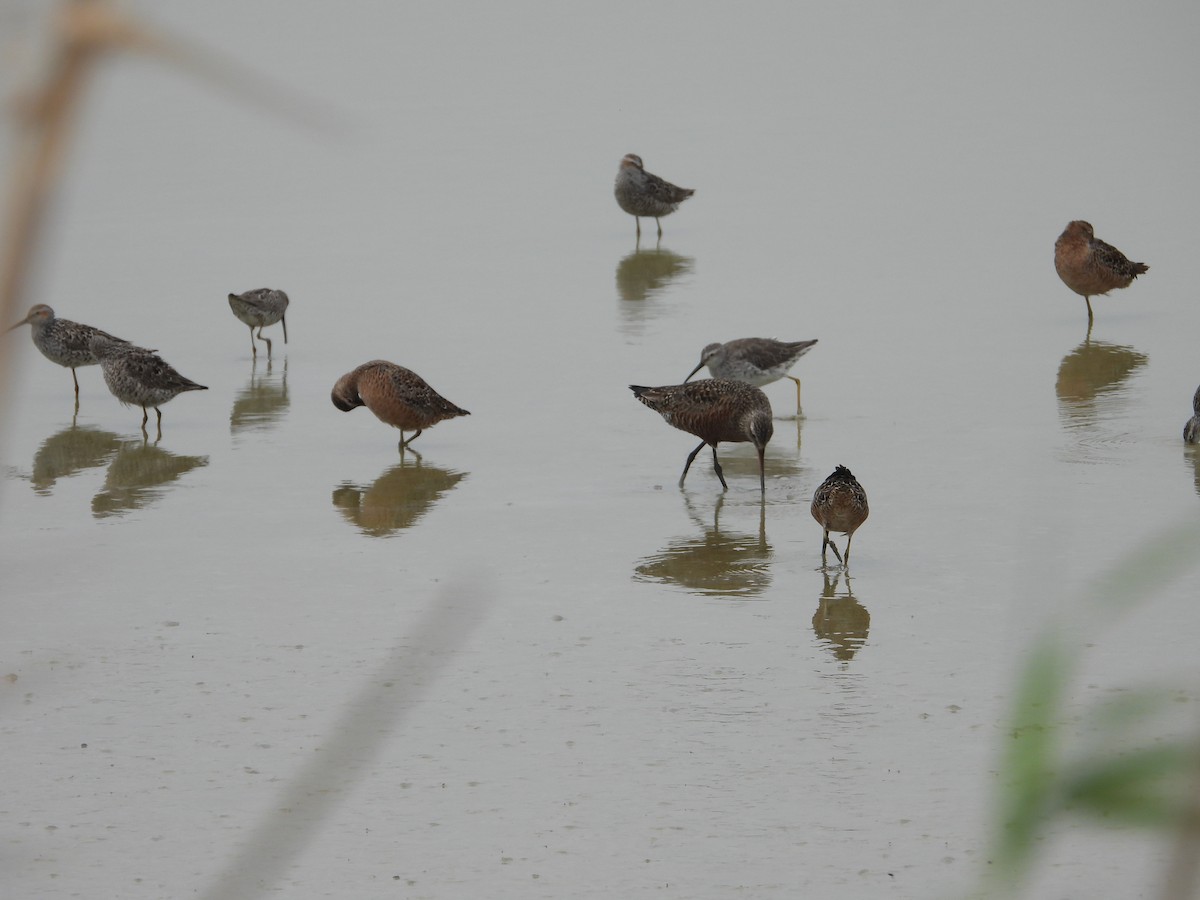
x,y
63,341
839,504
138,376
1090,267
258,309
1191,431
756,361
398,397
714,410
641,194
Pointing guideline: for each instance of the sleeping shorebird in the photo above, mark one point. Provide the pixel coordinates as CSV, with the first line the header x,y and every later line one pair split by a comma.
x,y
139,376
1090,267
641,194
398,397
714,410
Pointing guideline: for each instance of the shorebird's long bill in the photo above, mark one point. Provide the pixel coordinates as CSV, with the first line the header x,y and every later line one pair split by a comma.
x,y
24,321
699,366
283,319
762,468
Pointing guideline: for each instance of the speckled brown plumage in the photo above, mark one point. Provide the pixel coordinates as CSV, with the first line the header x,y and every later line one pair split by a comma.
x,y
63,341
756,361
714,410
1089,266
839,504
398,396
641,194
139,376
258,309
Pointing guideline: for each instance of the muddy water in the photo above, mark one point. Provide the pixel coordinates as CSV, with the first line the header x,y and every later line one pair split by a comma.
x,y
267,652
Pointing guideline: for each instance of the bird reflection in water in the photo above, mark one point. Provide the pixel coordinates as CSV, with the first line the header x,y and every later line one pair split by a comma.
x,y
840,622
720,562
71,450
1091,386
261,404
138,476
1191,459
397,499
641,277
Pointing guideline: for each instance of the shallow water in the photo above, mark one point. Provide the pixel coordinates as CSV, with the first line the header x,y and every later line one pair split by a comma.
x,y
267,652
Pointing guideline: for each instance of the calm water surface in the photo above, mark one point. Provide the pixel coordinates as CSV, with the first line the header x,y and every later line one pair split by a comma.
x,y
266,652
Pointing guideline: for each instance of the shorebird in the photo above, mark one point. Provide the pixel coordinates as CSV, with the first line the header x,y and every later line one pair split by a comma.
x,y
139,376
1191,431
258,309
839,504
398,397
714,410
63,341
756,361
641,194
1090,267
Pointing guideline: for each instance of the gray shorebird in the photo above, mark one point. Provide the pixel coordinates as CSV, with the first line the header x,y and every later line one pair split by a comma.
x,y
258,309
641,194
839,504
1090,267
1191,431
63,341
714,410
398,396
756,361
139,376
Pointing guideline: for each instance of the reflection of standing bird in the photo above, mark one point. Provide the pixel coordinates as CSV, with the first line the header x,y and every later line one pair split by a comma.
x,y
714,410
839,504
1191,431
641,194
398,397
63,341
1090,267
756,361
138,376
258,309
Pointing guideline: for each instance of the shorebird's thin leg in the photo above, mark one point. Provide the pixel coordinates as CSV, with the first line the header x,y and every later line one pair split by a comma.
x,y
832,546
158,437
846,558
797,380
75,378
262,337
717,466
145,419
283,319
688,464
659,224
1088,301
253,347
638,223
404,443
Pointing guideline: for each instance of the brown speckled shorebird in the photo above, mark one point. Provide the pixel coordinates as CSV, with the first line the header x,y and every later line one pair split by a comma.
x,y
839,504
1191,431
258,309
641,194
714,410
756,361
1090,267
63,341
139,376
398,397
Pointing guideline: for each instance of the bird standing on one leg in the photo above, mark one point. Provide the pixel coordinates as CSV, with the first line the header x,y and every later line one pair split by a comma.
x,y
139,376
398,396
641,194
839,504
63,341
714,410
1089,266
258,309
756,361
